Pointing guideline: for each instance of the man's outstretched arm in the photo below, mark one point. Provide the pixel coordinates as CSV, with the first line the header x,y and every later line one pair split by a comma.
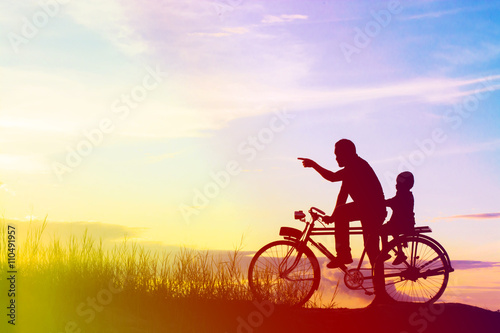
x,y
327,174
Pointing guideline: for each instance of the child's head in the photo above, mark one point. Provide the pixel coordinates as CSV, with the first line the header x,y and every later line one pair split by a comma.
x,y
404,181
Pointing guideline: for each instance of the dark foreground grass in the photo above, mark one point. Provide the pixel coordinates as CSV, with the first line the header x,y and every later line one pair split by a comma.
x,y
77,286
190,315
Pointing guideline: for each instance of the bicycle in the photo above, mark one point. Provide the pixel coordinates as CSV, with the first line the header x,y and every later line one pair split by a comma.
x,y
288,272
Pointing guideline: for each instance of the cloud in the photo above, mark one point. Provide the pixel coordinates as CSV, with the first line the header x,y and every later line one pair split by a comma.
x,y
159,158
332,281
110,20
110,234
106,231
228,79
283,18
445,12
210,34
237,30
225,32
459,55
491,146
25,163
38,125
462,149
7,189
425,90
482,216
472,264
252,170
433,15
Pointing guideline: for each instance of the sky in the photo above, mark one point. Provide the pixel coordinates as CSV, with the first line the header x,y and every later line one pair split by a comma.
x,y
179,123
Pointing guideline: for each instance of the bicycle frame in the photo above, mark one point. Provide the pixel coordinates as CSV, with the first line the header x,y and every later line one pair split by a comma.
x,y
306,237
310,231
331,232
420,275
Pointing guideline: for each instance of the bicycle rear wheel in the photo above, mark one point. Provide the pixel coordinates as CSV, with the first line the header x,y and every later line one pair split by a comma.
x,y
420,278
281,274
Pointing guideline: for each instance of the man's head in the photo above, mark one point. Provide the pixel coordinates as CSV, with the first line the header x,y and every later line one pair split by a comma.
x,y
345,151
405,181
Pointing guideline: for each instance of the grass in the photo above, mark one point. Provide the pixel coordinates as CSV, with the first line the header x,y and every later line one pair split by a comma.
x,y
79,286
84,262
78,282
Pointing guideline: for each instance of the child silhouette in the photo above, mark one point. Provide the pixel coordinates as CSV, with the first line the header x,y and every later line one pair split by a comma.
x,y
402,220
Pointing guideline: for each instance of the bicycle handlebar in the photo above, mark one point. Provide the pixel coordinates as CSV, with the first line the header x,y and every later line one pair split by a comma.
x,y
316,213
317,210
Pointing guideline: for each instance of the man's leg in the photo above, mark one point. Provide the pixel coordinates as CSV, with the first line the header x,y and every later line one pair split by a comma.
x,y
342,216
342,241
384,234
371,231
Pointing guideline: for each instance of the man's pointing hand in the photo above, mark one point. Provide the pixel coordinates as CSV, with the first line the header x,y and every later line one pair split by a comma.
x,y
307,163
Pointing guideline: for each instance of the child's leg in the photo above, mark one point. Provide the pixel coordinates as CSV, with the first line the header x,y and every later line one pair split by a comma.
x,y
384,237
400,256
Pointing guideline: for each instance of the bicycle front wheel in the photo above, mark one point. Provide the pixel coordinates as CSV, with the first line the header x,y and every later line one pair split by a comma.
x,y
420,276
282,274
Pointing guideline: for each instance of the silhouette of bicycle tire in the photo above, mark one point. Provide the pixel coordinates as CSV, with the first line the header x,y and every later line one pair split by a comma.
x,y
421,278
282,274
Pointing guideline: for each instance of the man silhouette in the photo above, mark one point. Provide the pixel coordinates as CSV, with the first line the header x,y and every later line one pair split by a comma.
x,y
360,182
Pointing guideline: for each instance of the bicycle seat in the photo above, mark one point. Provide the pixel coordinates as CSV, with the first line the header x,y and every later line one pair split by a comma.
x,y
290,232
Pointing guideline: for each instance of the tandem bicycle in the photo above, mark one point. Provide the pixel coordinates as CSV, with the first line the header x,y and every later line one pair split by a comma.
x,y
288,272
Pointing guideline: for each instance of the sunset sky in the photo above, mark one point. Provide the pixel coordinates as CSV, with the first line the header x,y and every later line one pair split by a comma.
x,y
180,122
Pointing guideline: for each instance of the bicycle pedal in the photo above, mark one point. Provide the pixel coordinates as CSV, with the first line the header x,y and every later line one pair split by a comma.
x,y
369,293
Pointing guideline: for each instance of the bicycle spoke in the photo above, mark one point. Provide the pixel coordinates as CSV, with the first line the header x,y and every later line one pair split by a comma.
x,y
282,275
421,278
